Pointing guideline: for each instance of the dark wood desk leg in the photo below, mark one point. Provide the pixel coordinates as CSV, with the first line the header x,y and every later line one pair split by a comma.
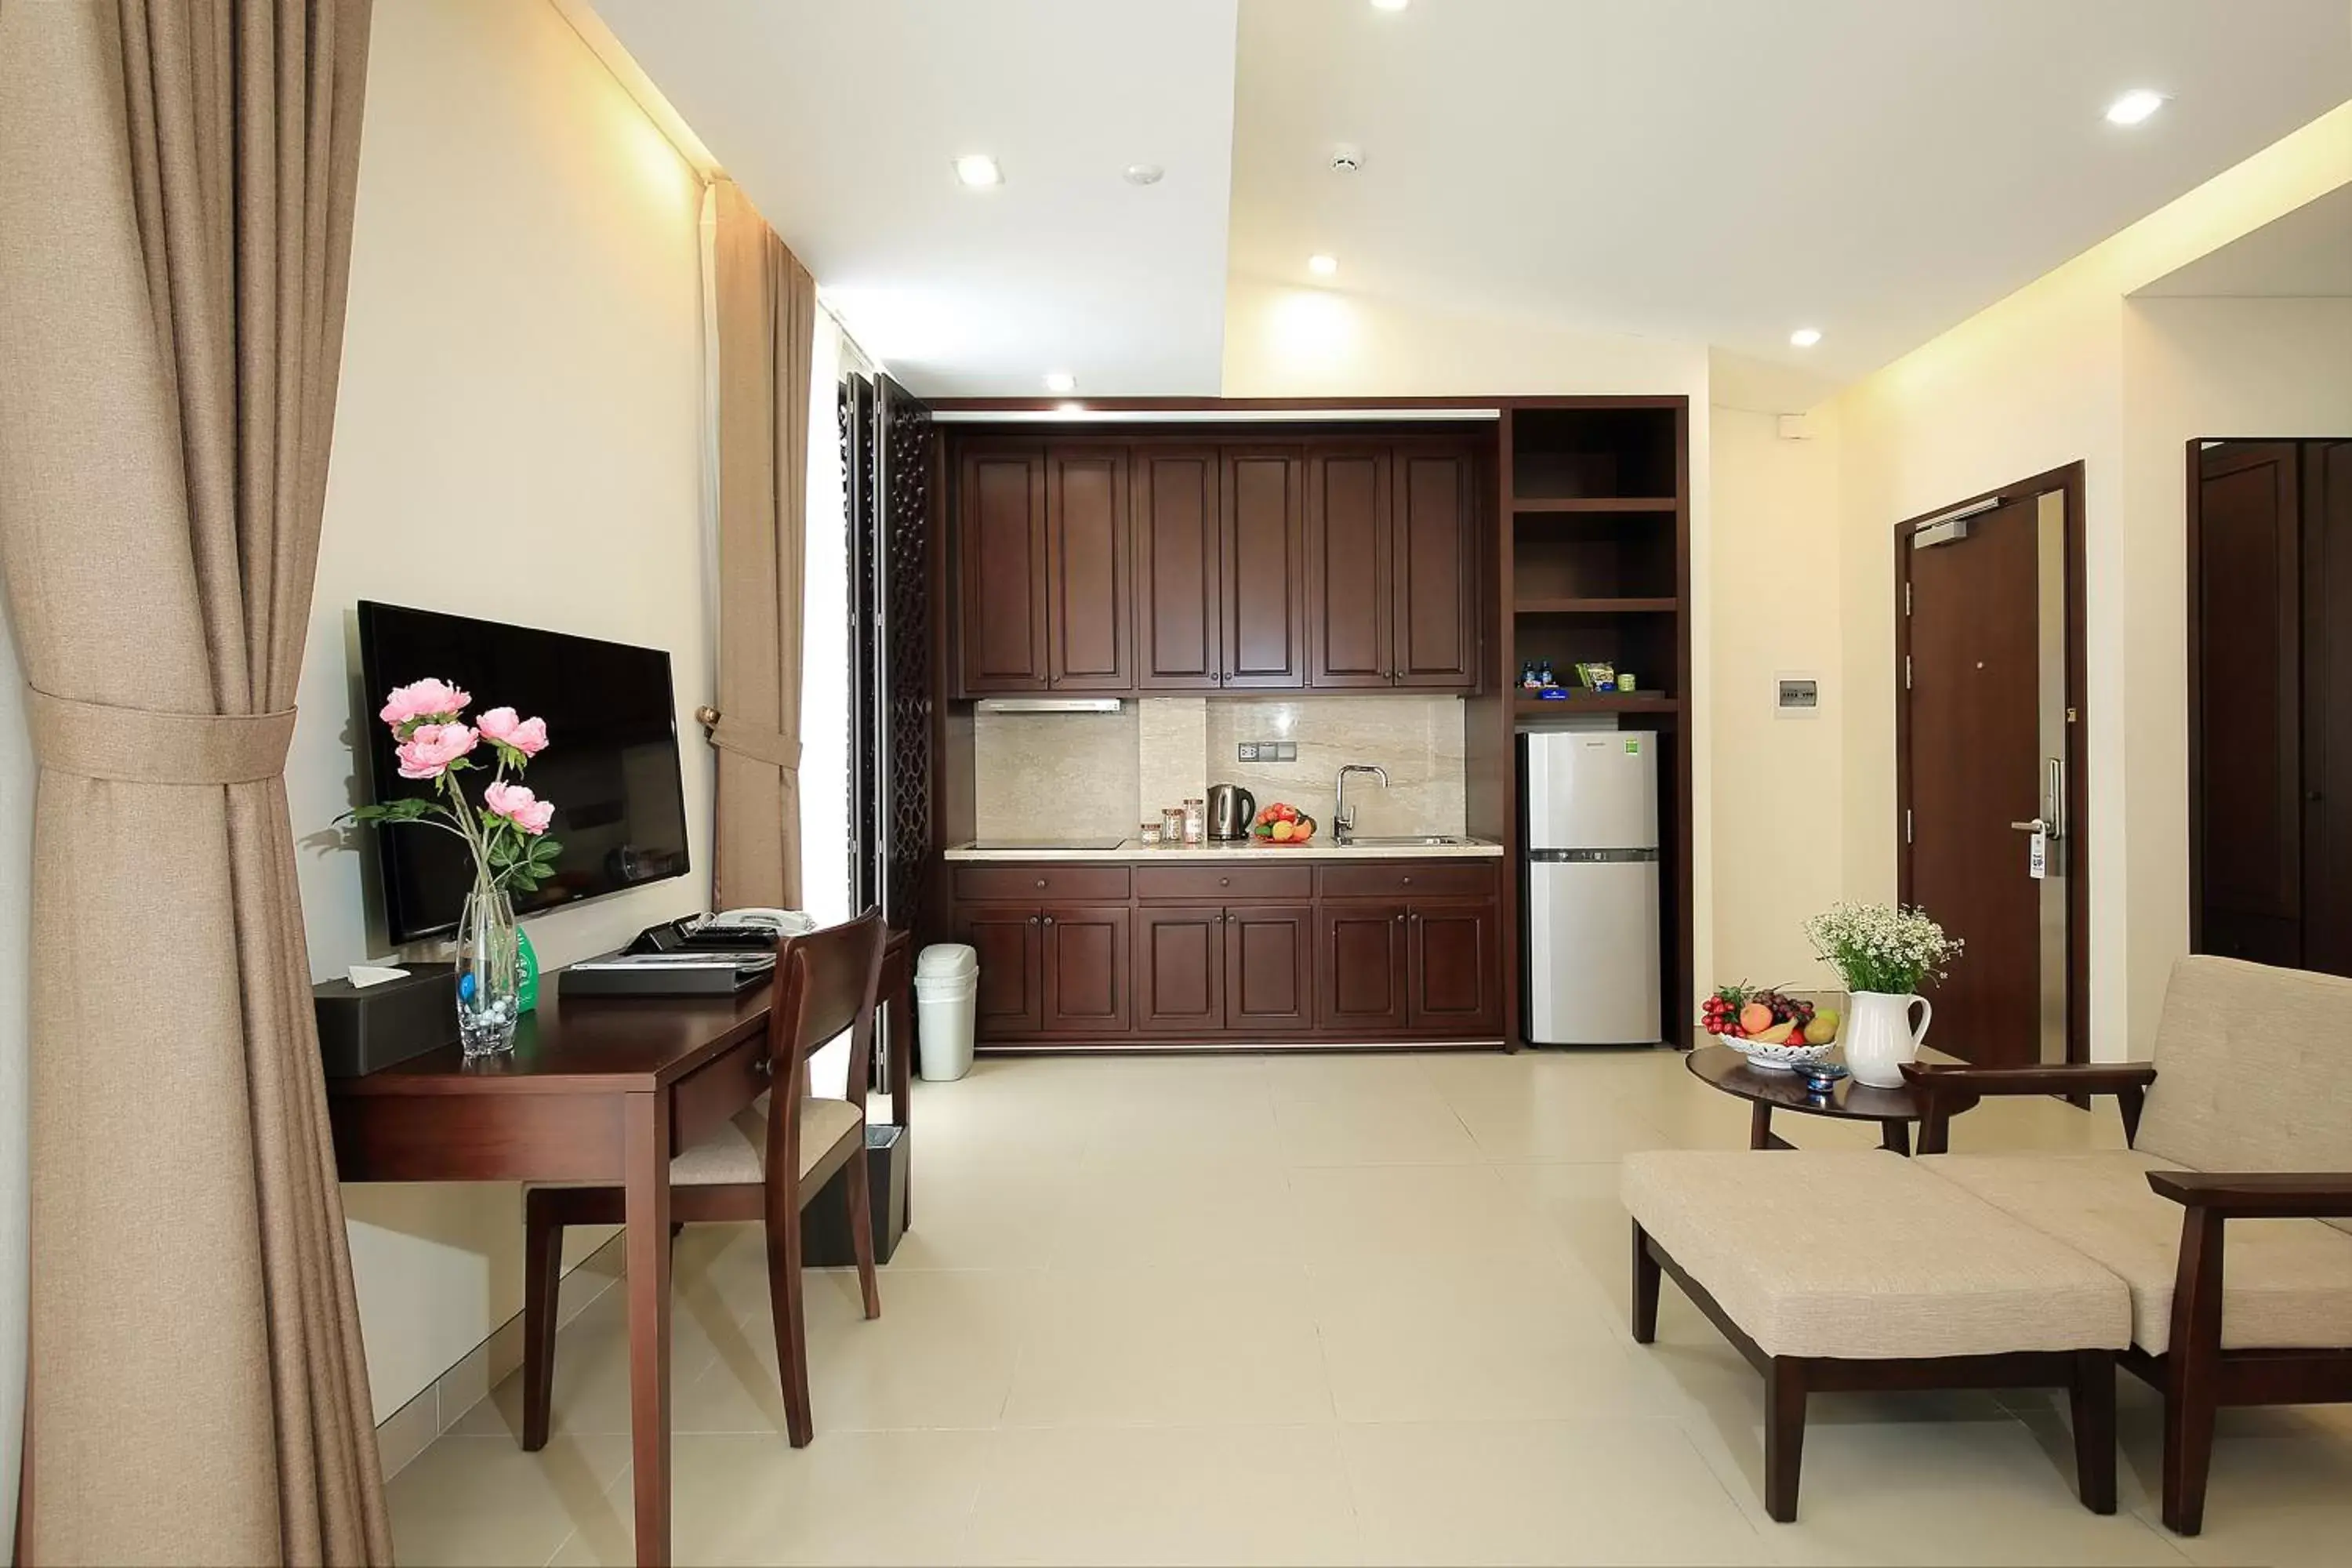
x,y
1896,1136
1759,1125
645,1140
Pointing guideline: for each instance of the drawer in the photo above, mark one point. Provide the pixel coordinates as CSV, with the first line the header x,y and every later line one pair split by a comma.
x,y
1057,882
1409,880
1194,884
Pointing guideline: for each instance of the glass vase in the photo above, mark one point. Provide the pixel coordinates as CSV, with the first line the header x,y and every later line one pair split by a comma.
x,y
490,973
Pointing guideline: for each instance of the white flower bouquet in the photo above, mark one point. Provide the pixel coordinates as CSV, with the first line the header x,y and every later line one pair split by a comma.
x,y
1881,948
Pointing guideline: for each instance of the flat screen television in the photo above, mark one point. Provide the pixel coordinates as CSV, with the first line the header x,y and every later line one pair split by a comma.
x,y
611,766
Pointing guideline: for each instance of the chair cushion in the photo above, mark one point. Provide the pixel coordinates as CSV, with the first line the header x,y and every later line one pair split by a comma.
x,y
2250,1072
2284,1282
737,1154
1860,1255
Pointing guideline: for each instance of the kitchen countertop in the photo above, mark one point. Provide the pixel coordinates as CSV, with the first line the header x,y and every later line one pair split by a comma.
x,y
1135,852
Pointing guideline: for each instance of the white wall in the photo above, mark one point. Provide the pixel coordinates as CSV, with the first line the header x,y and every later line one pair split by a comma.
x,y
2197,369
16,964
1286,341
1779,795
519,437
2032,383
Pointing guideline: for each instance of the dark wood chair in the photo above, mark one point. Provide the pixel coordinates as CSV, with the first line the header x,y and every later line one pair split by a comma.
x,y
2244,1115
767,1165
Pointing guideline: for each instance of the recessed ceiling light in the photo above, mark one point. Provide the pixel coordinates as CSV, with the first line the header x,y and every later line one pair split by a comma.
x,y
1322,266
978,169
1060,381
1805,336
1143,173
1391,5
2135,106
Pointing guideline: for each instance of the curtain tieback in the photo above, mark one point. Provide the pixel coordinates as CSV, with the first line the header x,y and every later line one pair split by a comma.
x,y
770,746
140,745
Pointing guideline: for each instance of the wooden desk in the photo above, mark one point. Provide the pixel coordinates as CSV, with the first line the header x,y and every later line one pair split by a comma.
x,y
599,1090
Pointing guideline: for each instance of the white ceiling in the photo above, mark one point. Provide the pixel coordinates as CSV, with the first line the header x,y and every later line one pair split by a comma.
x,y
1724,173
843,120
1713,172
2307,254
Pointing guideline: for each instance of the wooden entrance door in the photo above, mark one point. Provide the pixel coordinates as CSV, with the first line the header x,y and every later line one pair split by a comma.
x,y
1988,748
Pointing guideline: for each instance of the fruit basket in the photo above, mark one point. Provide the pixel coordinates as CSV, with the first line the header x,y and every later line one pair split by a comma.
x,y
1281,824
1776,1032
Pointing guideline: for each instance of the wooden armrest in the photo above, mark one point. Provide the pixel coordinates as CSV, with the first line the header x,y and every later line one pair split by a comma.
x,y
1952,1089
2075,1077
2273,1195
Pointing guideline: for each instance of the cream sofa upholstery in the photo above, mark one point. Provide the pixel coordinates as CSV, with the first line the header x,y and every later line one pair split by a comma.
x,y
2289,1281
1863,1255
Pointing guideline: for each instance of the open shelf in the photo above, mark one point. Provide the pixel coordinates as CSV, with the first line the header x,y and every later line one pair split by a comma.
x,y
1590,555
1559,604
1644,644
1595,702
1607,457
1594,503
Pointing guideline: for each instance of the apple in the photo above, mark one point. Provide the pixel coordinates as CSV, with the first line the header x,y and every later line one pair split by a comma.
x,y
1755,1019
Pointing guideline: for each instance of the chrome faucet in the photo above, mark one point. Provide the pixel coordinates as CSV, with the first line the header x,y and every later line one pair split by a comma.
x,y
1343,821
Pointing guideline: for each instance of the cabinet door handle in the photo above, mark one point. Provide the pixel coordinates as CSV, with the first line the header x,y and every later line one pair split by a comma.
x,y
1041,881
1049,919
1398,917
1401,882
1224,882
1033,919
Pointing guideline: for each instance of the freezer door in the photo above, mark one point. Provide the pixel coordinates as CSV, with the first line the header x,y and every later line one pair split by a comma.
x,y
1592,789
1592,952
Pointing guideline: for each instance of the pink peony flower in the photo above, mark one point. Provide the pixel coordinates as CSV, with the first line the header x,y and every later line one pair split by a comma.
x,y
431,748
425,698
528,736
520,807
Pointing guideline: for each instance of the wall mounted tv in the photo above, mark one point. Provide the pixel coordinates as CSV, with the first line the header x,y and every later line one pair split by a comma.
x,y
610,764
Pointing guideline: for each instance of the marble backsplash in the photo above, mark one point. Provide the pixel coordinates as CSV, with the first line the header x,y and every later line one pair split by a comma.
x,y
1050,775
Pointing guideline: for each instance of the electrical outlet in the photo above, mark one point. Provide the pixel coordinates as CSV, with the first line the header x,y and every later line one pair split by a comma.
x,y
1248,750
1267,751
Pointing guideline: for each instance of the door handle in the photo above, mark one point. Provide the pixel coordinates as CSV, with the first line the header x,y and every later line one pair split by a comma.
x,y
2036,825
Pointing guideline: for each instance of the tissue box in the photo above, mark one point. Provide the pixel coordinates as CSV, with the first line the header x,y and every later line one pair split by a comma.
x,y
364,1027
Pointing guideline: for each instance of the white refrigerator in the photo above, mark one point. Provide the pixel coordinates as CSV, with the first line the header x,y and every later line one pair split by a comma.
x,y
1590,880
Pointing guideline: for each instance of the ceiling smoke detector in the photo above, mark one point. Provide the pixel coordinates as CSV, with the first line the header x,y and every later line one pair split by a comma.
x,y
1347,158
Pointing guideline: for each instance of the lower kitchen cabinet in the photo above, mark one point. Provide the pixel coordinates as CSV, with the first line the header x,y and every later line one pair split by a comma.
x,y
1363,954
1401,951
1454,963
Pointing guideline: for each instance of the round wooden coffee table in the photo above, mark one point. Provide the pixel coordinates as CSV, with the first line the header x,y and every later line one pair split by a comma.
x,y
1894,1109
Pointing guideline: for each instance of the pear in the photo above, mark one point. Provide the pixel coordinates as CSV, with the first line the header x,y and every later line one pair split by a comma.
x,y
1823,1028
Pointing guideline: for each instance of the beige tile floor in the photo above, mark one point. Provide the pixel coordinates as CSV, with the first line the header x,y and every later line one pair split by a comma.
x,y
1308,1309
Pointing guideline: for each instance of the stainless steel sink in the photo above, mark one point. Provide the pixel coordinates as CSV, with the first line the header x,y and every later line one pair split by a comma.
x,y
1413,840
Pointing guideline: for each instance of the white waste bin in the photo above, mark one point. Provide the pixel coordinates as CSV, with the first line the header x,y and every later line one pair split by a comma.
x,y
947,996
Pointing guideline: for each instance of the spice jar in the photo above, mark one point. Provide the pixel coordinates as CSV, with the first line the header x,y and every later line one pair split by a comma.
x,y
1196,821
1171,826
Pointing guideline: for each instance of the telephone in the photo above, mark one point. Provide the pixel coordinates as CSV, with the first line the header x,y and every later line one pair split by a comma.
x,y
732,930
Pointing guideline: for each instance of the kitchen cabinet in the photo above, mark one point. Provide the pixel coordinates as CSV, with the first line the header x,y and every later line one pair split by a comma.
x,y
1362,948
1232,949
1086,571
1000,535
1264,602
1454,964
1042,541
1350,614
1178,592
1085,961
1435,551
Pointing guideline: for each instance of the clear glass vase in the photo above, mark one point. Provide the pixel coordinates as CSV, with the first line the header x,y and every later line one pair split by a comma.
x,y
490,973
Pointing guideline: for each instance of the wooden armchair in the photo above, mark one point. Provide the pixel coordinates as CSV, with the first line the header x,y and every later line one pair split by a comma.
x,y
766,1165
2245,1115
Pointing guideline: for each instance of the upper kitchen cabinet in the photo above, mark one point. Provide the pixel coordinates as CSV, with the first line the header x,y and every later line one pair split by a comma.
x,y
1435,579
1179,597
1265,570
1043,570
1000,641
1350,619
1086,635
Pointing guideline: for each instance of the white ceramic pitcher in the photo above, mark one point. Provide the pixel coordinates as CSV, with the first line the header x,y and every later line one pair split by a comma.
x,y
1878,1037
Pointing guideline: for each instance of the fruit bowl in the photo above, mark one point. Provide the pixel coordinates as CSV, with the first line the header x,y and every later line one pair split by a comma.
x,y
1281,825
1777,1058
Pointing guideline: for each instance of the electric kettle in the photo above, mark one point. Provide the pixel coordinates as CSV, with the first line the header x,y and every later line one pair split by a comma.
x,y
1230,810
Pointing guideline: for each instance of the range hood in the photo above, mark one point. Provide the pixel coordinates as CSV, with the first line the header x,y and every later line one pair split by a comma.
x,y
1049,704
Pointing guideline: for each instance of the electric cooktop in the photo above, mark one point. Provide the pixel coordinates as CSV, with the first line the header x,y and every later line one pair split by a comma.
x,y
1046,843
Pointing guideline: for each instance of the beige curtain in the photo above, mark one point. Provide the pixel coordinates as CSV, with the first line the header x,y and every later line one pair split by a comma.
x,y
766,316
177,182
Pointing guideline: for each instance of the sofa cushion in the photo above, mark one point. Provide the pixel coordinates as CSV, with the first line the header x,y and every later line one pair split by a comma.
x,y
2284,1282
1860,1255
2252,1070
